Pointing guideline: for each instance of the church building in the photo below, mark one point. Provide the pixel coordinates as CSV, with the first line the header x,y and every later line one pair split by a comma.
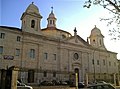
x,y
46,54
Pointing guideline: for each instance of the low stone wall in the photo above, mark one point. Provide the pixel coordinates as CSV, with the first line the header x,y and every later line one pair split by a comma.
x,y
53,87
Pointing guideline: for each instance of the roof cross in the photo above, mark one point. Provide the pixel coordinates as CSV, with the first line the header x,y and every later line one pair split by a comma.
x,y
52,9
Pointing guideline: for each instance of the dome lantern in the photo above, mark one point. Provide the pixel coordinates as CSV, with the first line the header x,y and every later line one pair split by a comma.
x,y
51,19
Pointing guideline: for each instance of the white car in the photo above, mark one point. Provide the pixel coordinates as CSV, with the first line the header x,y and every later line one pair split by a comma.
x,y
23,86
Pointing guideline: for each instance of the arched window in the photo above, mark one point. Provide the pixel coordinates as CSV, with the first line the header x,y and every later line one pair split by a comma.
x,y
53,22
63,36
100,42
93,40
50,21
32,23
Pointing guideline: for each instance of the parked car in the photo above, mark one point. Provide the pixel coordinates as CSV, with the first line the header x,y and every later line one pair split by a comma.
x,y
101,86
101,82
55,82
46,83
63,83
23,86
81,85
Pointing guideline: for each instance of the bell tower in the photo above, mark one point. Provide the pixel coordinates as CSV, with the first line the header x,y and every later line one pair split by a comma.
x,y
96,38
31,19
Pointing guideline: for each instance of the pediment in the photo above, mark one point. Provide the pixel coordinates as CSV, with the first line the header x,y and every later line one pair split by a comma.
x,y
77,40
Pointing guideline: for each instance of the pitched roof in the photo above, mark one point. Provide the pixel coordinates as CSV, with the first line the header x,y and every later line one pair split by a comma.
x,y
79,39
11,28
54,28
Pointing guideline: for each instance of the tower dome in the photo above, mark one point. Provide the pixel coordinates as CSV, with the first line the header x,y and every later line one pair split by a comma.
x,y
51,15
32,9
96,32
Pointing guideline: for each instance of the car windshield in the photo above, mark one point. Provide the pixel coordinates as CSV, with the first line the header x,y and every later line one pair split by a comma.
x,y
108,87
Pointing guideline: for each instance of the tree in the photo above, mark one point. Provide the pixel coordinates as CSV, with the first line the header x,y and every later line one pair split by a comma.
x,y
113,6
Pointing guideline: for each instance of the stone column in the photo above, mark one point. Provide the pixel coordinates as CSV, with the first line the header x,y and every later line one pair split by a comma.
x,y
14,77
76,76
118,81
86,79
114,76
3,76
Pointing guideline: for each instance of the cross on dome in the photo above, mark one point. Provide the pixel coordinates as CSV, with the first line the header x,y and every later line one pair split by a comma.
x,y
52,9
32,2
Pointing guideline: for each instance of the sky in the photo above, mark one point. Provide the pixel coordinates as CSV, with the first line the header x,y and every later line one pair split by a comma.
x,y
69,14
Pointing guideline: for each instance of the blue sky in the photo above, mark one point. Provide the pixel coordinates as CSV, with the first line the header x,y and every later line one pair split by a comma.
x,y
69,14
65,10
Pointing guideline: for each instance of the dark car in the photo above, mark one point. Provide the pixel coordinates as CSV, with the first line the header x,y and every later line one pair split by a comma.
x,y
81,85
46,83
101,86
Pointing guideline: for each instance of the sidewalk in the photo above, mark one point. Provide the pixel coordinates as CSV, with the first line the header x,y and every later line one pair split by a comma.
x,y
53,87
117,87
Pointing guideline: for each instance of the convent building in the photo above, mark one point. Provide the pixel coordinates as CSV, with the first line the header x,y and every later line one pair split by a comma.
x,y
46,54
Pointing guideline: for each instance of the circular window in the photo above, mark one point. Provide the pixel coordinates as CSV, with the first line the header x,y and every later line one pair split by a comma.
x,y
76,56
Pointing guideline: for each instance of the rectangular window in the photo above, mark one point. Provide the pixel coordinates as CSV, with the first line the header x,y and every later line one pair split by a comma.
x,y
1,49
2,35
103,62
18,38
50,21
114,63
93,61
45,55
54,74
17,52
54,55
32,53
109,63
45,74
31,76
97,62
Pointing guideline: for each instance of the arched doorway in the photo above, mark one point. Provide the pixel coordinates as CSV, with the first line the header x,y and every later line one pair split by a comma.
x,y
77,71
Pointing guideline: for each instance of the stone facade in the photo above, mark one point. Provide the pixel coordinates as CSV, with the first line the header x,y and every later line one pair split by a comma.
x,y
54,54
